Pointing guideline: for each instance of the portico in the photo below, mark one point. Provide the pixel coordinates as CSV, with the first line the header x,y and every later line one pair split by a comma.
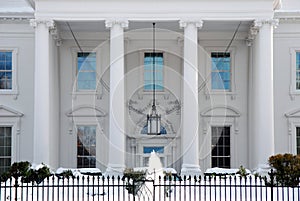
x,y
120,38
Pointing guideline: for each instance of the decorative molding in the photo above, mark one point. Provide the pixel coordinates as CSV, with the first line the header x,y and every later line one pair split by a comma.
x,y
109,23
55,33
256,25
220,111
260,22
293,121
86,111
8,112
183,23
293,114
83,111
50,24
277,4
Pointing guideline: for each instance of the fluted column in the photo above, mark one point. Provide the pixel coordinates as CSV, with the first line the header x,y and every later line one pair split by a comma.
x,y
42,133
190,135
116,160
263,98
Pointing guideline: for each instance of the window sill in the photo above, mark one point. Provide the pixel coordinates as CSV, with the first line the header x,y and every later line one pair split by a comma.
x,y
87,93
294,93
10,93
220,93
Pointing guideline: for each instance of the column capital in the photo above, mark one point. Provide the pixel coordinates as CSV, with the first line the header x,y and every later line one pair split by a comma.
x,y
260,22
50,24
109,23
196,22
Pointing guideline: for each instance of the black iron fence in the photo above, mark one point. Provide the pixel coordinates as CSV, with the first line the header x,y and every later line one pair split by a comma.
x,y
100,188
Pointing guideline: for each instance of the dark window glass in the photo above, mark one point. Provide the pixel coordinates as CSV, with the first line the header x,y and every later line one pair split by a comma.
x,y
220,150
5,148
86,146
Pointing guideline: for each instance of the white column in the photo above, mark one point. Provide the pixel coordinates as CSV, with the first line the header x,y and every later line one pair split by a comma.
x,y
116,160
190,139
263,99
41,149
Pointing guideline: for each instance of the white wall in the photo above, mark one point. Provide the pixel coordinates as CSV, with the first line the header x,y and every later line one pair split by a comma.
x,y
286,37
19,35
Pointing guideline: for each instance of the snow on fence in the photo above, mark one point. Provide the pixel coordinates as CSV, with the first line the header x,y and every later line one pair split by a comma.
x,y
100,188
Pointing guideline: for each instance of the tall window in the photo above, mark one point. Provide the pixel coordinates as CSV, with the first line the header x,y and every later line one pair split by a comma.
x,y
5,70
298,139
298,71
220,71
220,147
86,146
148,71
5,148
86,71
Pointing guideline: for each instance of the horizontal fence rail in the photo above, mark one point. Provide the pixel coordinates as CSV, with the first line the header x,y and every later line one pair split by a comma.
x,y
100,188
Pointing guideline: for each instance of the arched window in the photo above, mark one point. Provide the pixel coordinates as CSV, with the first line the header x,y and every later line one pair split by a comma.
x,y
162,130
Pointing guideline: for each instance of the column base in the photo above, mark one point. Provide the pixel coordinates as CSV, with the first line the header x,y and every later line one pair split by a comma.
x,y
190,170
114,170
262,170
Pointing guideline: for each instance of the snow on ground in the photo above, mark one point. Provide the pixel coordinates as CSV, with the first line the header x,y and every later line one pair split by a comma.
x,y
89,188
85,187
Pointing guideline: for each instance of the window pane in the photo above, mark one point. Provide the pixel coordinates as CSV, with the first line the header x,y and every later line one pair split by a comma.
x,y
86,146
148,150
5,70
86,71
220,151
298,139
220,71
5,148
148,71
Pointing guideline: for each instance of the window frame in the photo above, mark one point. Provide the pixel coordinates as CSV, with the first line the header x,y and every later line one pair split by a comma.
x,y
86,125
230,145
297,145
74,89
15,89
162,71
293,90
208,90
142,67
12,142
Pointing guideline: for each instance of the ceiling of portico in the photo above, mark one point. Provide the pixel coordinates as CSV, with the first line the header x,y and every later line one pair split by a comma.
x,y
99,26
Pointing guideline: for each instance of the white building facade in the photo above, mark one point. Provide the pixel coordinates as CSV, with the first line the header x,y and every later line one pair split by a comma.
x,y
76,82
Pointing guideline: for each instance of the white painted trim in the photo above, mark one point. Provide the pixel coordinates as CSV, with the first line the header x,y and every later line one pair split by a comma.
x,y
71,112
208,91
293,91
15,85
13,119
226,108
98,92
293,121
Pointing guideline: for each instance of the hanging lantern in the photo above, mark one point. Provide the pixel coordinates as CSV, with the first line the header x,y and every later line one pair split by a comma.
x,y
153,118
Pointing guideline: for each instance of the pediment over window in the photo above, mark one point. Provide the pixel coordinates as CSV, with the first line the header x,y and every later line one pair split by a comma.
x,y
8,112
220,111
86,111
294,113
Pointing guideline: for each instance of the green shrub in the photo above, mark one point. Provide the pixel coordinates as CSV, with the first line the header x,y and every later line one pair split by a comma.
x,y
287,169
66,174
134,180
23,169
242,171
